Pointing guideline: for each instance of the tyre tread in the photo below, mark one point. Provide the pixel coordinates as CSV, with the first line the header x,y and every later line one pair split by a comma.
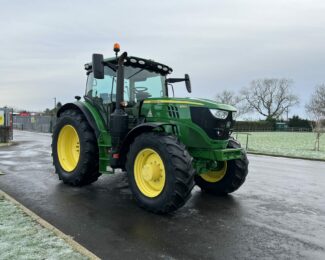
x,y
181,162
88,173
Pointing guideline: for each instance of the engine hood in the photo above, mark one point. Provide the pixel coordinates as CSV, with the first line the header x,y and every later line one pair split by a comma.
x,y
199,102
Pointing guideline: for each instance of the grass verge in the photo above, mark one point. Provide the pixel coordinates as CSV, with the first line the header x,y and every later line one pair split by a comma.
x,y
289,144
24,235
5,144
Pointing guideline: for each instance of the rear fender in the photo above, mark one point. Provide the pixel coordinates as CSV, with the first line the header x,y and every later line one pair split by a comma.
x,y
97,123
83,109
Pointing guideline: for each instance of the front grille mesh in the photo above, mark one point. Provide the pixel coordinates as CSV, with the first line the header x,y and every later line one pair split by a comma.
x,y
215,128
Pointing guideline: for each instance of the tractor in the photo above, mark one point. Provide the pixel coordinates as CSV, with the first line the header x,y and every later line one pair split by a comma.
x,y
129,120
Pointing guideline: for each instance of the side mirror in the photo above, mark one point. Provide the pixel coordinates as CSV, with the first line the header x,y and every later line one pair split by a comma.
x,y
98,66
188,83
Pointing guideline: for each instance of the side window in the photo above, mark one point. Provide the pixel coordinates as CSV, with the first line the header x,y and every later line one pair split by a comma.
x,y
150,87
102,88
105,89
89,87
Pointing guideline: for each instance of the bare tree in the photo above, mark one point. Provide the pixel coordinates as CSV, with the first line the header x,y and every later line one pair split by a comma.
x,y
316,110
236,100
270,97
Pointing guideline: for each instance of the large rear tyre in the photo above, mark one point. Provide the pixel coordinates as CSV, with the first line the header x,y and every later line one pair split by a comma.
x,y
227,179
74,149
160,172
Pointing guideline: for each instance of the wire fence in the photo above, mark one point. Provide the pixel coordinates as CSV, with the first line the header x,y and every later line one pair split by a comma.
x,y
246,138
42,124
45,123
272,129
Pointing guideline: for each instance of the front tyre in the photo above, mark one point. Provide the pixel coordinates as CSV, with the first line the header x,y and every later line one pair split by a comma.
x,y
74,149
160,172
228,178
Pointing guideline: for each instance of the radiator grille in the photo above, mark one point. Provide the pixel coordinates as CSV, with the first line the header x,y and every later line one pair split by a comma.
x,y
215,128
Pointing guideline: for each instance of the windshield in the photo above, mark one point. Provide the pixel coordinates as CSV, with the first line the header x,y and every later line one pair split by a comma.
x,y
139,84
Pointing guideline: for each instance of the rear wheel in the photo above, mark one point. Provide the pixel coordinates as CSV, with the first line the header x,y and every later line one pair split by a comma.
x,y
228,178
160,172
74,149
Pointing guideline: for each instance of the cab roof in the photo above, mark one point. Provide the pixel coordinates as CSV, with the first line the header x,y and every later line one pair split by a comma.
x,y
137,63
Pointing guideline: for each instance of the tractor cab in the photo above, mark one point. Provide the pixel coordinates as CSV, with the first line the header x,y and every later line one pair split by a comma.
x,y
142,79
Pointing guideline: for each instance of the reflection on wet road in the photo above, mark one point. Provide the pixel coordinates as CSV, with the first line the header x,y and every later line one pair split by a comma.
x,y
279,213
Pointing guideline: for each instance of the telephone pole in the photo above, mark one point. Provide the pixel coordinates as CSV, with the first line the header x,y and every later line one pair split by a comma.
x,y
54,104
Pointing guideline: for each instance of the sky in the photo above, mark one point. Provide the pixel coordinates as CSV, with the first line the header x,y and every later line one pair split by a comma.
x,y
222,45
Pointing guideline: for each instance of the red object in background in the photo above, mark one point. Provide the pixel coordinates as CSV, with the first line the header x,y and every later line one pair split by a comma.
x,y
24,113
116,155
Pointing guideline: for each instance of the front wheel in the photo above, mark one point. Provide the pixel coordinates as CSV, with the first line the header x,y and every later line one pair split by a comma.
x,y
228,178
160,172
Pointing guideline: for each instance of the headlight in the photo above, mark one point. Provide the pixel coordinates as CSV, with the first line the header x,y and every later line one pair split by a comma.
x,y
220,114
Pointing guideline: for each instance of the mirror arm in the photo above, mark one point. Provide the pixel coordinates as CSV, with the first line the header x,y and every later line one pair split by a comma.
x,y
174,80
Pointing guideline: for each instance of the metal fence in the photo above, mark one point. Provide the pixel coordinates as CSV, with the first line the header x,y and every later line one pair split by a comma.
x,y
246,137
42,124
45,124
254,129
272,129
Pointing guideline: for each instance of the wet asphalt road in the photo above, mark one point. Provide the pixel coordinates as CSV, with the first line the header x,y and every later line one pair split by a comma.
x,y
279,213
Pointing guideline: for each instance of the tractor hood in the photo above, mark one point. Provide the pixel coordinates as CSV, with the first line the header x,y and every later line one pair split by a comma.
x,y
199,102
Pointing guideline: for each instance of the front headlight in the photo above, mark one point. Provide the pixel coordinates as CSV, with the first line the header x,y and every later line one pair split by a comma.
x,y
220,114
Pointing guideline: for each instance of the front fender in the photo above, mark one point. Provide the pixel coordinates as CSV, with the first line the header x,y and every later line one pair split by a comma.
x,y
136,131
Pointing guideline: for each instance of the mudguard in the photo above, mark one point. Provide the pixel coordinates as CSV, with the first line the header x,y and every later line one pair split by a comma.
x,y
139,129
85,111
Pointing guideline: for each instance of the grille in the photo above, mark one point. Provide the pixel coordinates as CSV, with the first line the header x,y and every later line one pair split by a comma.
x,y
173,111
215,128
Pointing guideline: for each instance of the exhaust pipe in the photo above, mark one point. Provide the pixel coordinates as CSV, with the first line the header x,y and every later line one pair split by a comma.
x,y
119,120
120,81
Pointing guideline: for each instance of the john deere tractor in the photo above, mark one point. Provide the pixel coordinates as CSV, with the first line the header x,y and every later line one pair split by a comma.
x,y
129,120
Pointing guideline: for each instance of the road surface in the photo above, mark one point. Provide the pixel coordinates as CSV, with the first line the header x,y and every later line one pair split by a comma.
x,y
279,213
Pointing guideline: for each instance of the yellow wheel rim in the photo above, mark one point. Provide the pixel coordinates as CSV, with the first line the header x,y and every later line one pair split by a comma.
x,y
149,173
215,176
68,148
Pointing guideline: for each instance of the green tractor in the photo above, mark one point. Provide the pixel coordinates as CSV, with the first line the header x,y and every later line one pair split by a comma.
x,y
129,120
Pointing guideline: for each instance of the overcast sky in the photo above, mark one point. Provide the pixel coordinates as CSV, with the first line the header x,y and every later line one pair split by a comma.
x,y
221,44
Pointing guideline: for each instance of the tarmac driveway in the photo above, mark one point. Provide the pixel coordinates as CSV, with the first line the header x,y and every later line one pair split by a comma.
x,y
279,213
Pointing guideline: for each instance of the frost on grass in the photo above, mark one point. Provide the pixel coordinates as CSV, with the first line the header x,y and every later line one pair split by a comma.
x,y
293,144
23,238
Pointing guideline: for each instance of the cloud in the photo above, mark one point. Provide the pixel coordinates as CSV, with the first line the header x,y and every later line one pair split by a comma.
x,y
221,44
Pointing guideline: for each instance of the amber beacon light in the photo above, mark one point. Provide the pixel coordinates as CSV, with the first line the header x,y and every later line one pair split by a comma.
x,y
116,47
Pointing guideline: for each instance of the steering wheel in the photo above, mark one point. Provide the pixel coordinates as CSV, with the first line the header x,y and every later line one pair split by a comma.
x,y
140,89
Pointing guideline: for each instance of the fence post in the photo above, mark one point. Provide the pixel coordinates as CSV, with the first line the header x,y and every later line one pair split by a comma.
x,y
246,142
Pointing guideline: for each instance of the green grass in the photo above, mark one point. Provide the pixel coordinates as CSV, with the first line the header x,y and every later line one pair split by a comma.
x,y
23,238
292,144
